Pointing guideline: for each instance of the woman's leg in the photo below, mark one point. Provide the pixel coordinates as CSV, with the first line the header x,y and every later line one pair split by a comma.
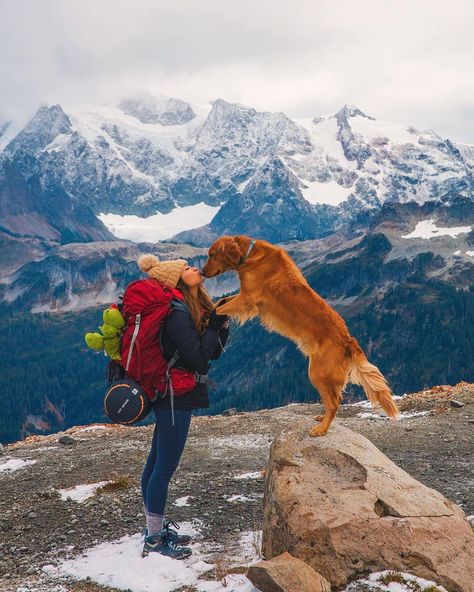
x,y
169,446
149,465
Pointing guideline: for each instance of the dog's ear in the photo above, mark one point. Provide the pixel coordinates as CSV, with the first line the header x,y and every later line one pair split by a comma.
x,y
230,249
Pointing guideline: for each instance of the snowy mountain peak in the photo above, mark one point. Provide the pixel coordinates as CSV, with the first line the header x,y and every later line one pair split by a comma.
x,y
150,109
351,111
46,124
223,113
226,107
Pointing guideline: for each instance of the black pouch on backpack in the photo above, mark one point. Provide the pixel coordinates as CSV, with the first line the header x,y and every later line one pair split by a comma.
x,y
126,402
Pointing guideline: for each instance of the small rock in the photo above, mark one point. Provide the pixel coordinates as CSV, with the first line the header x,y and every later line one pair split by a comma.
x,y
2,450
231,411
32,515
66,439
456,404
48,493
104,523
30,571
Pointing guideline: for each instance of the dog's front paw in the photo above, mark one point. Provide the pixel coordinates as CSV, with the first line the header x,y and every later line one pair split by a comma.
x,y
318,431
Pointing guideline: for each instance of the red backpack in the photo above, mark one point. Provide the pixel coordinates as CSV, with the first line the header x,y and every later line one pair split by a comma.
x,y
145,305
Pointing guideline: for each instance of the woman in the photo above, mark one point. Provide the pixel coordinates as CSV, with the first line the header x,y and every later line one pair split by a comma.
x,y
198,335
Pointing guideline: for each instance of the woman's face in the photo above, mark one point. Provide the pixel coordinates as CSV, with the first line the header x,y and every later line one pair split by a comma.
x,y
191,276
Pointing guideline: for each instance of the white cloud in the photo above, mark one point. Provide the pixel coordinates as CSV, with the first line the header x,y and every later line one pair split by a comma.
x,y
402,61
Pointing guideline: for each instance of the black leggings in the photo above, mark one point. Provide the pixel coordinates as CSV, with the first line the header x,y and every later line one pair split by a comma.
x,y
166,449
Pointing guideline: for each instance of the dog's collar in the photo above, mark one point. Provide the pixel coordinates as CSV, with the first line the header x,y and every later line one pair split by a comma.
x,y
244,257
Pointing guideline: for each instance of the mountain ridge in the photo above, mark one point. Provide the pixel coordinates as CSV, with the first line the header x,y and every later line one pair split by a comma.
x,y
339,165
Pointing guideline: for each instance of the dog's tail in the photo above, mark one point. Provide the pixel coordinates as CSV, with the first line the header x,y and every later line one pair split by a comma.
x,y
369,377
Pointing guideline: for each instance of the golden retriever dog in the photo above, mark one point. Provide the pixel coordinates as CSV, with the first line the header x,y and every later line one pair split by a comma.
x,y
273,288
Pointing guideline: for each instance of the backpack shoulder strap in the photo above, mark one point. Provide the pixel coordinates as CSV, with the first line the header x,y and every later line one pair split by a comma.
x,y
174,304
179,304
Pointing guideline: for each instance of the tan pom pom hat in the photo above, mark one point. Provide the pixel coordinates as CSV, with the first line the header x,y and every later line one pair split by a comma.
x,y
167,272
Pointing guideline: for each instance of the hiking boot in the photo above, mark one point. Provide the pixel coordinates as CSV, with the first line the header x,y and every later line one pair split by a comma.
x,y
163,543
181,539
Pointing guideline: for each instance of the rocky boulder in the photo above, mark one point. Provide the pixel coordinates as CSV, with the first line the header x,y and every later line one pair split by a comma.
x,y
345,509
286,574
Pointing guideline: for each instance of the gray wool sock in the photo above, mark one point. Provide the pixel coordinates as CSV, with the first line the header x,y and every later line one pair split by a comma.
x,y
154,523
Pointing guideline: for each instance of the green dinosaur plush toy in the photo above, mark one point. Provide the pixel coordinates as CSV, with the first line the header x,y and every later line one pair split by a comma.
x,y
110,333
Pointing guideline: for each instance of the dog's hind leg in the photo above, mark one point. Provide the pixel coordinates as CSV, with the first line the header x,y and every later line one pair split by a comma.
x,y
330,390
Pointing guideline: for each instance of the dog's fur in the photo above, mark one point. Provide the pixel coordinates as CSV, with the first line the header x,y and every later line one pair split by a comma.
x,y
272,287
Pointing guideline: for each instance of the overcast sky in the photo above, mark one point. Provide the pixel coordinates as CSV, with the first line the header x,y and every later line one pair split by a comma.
x,y
409,61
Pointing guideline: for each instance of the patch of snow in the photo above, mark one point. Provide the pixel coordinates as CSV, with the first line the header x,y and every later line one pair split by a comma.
x,y
80,493
403,415
324,134
238,498
119,564
470,253
457,252
427,229
251,544
254,475
396,133
368,405
89,123
373,581
183,501
159,226
14,464
58,143
93,428
44,448
243,185
325,193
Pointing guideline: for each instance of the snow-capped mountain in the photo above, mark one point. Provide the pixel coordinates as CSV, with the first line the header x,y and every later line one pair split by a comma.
x,y
246,171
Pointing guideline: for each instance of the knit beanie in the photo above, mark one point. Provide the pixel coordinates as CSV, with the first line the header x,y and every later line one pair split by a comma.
x,y
167,272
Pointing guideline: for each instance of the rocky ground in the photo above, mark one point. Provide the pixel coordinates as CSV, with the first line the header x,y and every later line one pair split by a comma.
x,y
224,457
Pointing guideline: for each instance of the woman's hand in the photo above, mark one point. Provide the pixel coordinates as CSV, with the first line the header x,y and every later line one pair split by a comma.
x,y
217,321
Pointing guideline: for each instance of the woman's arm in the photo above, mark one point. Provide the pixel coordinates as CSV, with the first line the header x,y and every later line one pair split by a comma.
x,y
223,335
195,350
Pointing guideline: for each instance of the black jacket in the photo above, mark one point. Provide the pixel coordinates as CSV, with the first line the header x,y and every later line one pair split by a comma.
x,y
179,333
